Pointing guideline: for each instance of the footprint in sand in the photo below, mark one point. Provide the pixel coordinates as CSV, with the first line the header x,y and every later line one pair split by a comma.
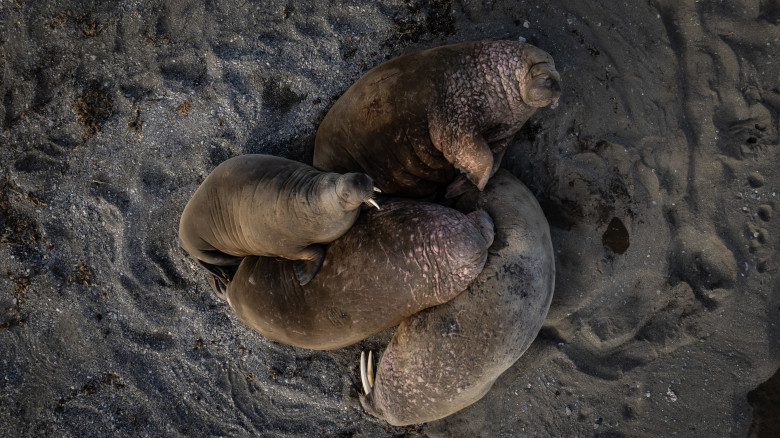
x,y
702,259
765,212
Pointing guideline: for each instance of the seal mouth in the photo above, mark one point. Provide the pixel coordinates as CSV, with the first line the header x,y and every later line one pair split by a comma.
x,y
354,189
543,86
371,201
554,103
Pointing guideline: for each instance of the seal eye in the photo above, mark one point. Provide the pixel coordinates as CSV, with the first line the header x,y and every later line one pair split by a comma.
x,y
539,70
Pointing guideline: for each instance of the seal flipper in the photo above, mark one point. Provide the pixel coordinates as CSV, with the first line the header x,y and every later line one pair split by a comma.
x,y
219,276
458,186
462,183
306,269
219,286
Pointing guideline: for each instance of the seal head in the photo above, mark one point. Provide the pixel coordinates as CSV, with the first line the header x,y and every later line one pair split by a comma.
x,y
354,189
540,85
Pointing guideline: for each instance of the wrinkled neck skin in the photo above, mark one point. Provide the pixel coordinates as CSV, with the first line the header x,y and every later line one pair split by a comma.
x,y
503,72
482,105
320,191
503,61
342,193
477,92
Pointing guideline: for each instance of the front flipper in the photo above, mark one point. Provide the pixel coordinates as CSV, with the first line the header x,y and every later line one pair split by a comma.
x,y
306,269
466,151
461,184
458,186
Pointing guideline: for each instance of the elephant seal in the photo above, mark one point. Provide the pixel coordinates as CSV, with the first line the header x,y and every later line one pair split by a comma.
x,y
415,122
391,264
447,357
269,206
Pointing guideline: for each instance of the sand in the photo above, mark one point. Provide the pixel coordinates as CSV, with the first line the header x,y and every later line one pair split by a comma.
x,y
657,172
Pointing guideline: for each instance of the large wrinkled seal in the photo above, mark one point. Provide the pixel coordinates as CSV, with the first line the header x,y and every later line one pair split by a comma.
x,y
391,264
269,206
437,118
445,358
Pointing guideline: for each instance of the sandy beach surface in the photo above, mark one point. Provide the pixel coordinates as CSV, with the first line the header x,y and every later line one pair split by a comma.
x,y
658,173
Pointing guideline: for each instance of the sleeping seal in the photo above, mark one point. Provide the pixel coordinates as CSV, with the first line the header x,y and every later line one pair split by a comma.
x,y
269,206
415,122
391,264
447,357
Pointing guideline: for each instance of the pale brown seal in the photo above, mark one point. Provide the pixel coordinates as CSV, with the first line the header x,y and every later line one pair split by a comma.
x,y
414,122
269,206
391,264
445,358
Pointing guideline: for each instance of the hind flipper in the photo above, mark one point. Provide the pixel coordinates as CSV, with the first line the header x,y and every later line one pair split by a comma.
x,y
219,276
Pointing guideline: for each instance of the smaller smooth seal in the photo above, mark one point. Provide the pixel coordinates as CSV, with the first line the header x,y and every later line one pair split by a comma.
x,y
269,206
437,118
447,357
391,264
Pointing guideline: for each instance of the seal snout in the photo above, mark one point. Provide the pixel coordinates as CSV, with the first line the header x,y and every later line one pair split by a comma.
x,y
553,83
544,86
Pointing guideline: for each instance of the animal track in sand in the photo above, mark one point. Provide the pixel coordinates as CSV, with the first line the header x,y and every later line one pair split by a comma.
x,y
702,259
765,212
609,346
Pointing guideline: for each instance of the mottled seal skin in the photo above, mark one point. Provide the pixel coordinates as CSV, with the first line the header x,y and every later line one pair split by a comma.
x,y
447,357
415,122
269,206
391,264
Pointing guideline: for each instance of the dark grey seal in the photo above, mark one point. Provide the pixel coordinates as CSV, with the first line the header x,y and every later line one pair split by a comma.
x,y
447,357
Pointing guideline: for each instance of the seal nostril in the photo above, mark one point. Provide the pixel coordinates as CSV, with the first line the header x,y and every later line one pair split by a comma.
x,y
555,85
